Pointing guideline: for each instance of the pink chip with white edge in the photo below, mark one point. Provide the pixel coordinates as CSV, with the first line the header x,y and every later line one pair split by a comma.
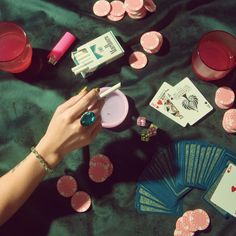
x,y
150,6
101,8
115,18
149,40
187,223
66,186
178,232
134,5
229,119
98,173
200,219
138,60
81,201
117,8
224,97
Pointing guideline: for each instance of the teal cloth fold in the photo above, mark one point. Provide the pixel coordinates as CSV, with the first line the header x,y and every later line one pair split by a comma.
x,y
29,99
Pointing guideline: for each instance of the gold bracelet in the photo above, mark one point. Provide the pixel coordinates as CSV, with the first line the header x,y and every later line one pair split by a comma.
x,y
41,160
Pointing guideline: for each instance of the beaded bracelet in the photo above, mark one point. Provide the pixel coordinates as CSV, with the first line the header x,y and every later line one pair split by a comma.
x,y
41,160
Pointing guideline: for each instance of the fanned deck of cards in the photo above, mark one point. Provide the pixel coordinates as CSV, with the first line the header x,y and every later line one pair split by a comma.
x,y
182,103
178,168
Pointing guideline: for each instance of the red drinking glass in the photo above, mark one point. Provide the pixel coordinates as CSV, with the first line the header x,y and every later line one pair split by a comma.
x,y
15,48
214,56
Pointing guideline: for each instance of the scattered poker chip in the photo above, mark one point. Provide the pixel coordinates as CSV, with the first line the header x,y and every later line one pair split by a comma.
x,y
179,224
224,97
200,219
188,225
81,201
150,6
138,60
101,8
100,158
141,121
98,173
229,121
138,16
66,186
115,18
149,40
117,8
134,5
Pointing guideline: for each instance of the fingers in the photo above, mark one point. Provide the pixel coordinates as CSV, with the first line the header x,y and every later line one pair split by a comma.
x,y
80,107
96,129
73,100
96,108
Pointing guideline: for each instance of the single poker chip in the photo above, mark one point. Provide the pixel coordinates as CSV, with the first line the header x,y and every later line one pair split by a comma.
x,y
200,218
178,232
227,128
179,224
99,158
138,60
224,97
66,186
149,41
101,8
114,18
150,6
98,173
137,16
230,119
188,225
134,5
117,8
81,201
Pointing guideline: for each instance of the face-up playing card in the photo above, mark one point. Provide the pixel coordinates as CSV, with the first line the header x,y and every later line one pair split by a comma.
x,y
163,104
225,193
189,101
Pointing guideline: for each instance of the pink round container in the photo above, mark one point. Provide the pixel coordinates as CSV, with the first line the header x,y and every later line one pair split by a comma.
x,y
115,109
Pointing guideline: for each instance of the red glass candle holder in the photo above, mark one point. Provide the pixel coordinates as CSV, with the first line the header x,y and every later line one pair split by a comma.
x,y
214,56
15,48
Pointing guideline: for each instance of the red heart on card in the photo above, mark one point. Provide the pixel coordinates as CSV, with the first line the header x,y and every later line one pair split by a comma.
x,y
159,102
233,189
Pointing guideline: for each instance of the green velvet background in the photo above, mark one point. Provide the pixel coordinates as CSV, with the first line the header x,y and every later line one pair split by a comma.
x,y
29,99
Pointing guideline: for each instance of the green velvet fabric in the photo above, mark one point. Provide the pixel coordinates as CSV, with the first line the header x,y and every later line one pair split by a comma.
x,y
29,99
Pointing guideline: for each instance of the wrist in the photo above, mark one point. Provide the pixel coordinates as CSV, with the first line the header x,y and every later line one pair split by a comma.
x,y
50,156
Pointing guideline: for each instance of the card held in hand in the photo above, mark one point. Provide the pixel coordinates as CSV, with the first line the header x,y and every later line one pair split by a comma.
x,y
225,193
162,103
189,101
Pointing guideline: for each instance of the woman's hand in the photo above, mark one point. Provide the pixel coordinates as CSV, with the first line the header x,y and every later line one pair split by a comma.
x,y
65,133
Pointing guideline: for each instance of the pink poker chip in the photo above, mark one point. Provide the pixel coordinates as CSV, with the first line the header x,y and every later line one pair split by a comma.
x,y
115,18
138,16
149,40
200,218
188,225
224,97
81,201
98,173
134,5
150,6
101,8
138,60
230,119
66,186
100,158
227,128
179,224
117,8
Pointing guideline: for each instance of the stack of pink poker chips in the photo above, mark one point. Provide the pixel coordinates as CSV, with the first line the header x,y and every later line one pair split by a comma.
x,y
67,187
100,168
191,222
151,41
224,97
115,11
229,121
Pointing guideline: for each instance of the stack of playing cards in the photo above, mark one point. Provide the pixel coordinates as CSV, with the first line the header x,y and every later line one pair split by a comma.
x,y
177,169
182,103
